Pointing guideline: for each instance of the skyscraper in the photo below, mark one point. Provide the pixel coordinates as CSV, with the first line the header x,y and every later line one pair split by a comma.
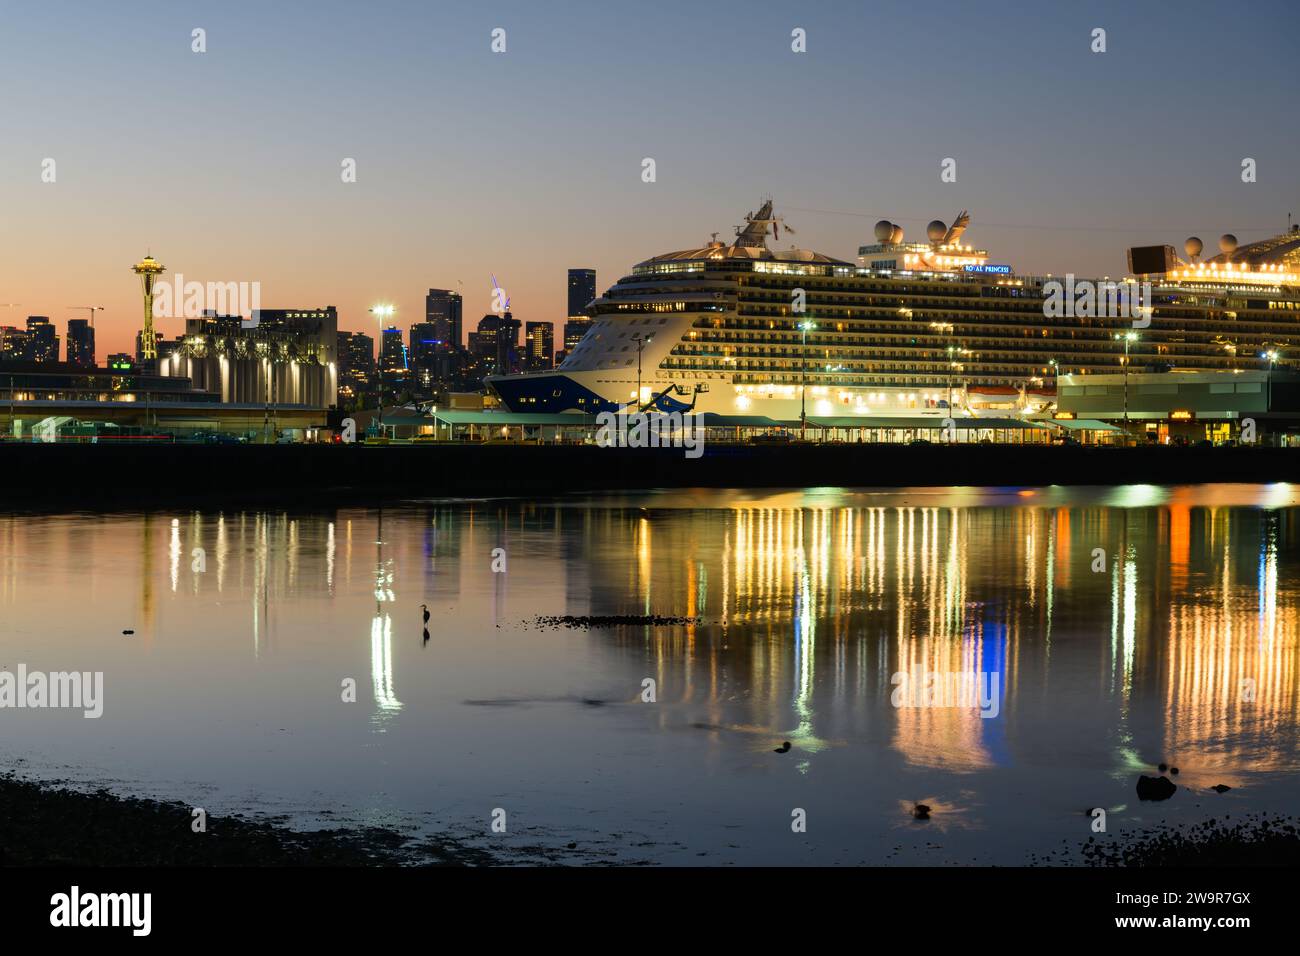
x,y
498,342
423,345
582,289
81,343
392,355
13,344
356,352
539,345
42,340
442,309
574,330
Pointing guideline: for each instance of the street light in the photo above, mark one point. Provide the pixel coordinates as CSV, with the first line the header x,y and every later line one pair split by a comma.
x,y
1272,355
805,327
641,343
382,312
942,327
1127,337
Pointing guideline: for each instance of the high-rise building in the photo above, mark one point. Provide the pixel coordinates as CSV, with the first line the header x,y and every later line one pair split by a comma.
x,y
442,308
356,352
13,344
42,340
81,343
574,330
498,342
582,289
539,346
424,345
392,355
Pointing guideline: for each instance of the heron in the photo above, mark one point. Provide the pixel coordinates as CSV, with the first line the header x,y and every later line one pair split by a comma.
x,y
425,609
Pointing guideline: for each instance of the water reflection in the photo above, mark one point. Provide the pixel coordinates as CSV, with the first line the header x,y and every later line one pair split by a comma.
x,y
1128,624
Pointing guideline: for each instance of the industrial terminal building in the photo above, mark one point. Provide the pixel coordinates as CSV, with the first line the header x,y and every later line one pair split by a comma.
x,y
281,356
1188,405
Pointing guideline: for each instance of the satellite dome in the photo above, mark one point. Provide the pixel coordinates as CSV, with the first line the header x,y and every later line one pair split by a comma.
x,y
1193,247
883,230
1227,243
896,234
936,230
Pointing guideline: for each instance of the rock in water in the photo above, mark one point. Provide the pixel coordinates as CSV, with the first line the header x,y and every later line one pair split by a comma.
x,y
1155,788
1220,788
921,811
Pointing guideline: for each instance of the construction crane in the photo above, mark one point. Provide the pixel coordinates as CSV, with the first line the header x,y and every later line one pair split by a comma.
x,y
92,309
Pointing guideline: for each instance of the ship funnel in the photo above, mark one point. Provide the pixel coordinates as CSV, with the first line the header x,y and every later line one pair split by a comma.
x,y
958,227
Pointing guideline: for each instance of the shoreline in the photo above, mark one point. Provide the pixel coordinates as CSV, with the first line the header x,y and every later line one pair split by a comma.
x,y
44,824
103,475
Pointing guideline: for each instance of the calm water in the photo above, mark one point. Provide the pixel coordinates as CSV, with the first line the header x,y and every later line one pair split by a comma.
x,y
1182,648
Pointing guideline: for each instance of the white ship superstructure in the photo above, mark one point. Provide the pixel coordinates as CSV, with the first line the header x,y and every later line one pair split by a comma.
x,y
909,329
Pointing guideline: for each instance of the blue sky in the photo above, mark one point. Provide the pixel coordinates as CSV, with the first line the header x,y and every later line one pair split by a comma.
x,y
226,164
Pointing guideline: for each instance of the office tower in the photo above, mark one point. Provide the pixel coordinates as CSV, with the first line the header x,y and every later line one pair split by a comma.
x,y
582,289
356,352
42,340
442,308
81,343
13,344
498,342
574,330
539,346
392,355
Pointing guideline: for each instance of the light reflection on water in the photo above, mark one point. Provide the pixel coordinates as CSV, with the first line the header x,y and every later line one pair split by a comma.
x,y
1124,626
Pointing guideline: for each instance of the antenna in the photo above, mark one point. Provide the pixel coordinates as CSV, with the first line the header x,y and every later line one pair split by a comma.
x,y
505,307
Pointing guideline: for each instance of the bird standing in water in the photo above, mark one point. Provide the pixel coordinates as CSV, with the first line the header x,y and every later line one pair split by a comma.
x,y
425,608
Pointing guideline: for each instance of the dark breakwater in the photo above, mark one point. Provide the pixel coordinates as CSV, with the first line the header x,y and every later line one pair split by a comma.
x,y
109,475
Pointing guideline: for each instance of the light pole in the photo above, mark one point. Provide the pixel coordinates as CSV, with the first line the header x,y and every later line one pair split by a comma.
x,y
804,327
942,327
381,312
1127,337
1056,383
1272,355
641,343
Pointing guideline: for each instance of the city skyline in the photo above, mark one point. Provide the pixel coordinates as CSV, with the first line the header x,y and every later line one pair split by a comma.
x,y
496,180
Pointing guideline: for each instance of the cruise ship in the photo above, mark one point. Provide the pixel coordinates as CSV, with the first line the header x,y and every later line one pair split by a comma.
x,y
908,329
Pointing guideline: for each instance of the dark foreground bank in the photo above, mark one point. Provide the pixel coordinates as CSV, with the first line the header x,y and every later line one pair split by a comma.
x,y
42,825
46,825
109,475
